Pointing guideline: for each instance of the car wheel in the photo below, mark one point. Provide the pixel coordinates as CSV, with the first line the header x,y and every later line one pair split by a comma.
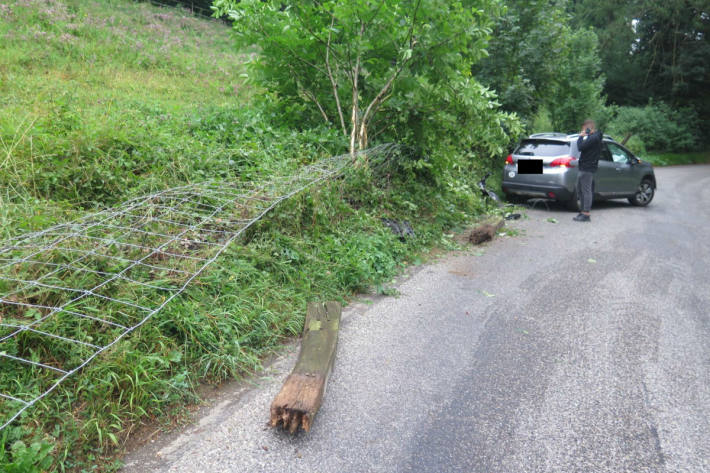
x,y
644,194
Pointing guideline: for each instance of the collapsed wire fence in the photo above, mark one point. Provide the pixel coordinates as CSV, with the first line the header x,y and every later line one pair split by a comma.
x,y
72,291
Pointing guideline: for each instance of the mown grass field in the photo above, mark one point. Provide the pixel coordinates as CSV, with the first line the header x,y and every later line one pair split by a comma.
x,y
103,100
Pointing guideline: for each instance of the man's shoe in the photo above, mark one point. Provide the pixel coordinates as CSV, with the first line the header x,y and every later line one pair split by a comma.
x,y
582,218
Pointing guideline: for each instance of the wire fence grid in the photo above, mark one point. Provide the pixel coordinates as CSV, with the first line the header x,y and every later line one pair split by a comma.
x,y
72,291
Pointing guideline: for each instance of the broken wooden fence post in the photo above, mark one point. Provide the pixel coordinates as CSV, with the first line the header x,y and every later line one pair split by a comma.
x,y
485,230
302,393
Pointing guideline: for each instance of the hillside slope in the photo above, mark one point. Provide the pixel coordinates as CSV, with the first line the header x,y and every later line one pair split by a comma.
x,y
101,99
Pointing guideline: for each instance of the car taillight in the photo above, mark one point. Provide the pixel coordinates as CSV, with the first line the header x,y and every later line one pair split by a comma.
x,y
509,159
563,162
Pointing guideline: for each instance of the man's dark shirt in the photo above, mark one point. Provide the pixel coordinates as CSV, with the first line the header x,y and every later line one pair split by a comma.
x,y
590,149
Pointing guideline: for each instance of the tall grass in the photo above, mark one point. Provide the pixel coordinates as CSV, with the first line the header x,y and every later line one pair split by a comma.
x,y
99,97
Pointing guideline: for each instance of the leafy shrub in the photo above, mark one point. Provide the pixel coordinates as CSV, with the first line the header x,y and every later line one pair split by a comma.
x,y
23,459
657,126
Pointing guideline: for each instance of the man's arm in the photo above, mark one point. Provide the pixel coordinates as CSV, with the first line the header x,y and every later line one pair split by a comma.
x,y
585,142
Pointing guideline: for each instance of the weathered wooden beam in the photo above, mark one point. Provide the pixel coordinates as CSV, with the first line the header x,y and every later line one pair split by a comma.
x,y
486,230
302,394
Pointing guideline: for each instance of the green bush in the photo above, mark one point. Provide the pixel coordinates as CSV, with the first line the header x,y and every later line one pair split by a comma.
x,y
657,126
23,459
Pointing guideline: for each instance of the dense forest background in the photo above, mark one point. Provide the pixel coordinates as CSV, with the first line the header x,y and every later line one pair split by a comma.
x,y
641,68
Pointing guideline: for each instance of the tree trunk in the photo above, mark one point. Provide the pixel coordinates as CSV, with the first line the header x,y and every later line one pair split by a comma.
x,y
362,136
354,120
355,117
626,138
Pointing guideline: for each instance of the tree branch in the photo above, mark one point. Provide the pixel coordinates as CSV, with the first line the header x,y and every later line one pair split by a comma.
x,y
332,79
414,19
309,95
315,100
376,12
381,96
356,73
293,53
310,31
626,138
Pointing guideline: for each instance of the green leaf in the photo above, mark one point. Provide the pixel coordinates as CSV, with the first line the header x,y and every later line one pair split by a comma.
x,y
175,356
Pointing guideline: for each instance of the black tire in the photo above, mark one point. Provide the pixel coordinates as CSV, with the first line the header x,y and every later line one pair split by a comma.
x,y
644,194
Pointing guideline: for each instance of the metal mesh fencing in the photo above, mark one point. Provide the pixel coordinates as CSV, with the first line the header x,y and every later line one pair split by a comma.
x,y
70,292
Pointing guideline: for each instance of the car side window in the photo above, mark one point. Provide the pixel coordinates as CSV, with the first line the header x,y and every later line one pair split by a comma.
x,y
618,154
606,155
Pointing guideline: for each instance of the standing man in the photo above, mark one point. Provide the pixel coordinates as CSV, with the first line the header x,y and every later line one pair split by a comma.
x,y
589,144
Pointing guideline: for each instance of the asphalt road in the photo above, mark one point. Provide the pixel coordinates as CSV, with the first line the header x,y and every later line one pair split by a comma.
x,y
571,347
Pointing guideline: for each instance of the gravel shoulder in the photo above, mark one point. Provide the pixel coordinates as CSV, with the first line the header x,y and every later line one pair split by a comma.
x,y
570,347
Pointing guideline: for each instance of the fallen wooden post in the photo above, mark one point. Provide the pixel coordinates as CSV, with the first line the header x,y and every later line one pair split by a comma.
x,y
486,230
302,394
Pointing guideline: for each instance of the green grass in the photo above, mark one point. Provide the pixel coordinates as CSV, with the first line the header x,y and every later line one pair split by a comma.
x,y
104,100
674,159
97,98
323,244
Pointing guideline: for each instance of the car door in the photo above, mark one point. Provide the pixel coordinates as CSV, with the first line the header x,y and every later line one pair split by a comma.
x,y
624,181
606,174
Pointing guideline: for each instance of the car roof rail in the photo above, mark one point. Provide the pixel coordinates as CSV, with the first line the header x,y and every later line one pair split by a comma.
x,y
550,134
605,136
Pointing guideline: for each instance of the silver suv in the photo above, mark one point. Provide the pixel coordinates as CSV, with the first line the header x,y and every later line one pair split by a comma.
x,y
545,165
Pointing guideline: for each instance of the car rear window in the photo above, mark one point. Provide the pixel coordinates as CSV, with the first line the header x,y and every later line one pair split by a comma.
x,y
543,148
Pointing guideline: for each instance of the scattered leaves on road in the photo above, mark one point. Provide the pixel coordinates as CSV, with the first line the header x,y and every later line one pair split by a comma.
x,y
591,260
552,220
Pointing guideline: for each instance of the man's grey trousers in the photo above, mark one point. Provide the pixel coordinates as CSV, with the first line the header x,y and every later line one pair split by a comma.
x,y
584,186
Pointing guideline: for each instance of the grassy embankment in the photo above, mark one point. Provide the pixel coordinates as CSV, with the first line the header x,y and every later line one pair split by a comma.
x,y
675,159
102,100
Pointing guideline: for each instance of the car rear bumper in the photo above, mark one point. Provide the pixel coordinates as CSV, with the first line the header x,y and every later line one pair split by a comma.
x,y
537,190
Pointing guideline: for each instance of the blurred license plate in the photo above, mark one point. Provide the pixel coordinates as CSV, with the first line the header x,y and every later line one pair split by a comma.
x,y
529,166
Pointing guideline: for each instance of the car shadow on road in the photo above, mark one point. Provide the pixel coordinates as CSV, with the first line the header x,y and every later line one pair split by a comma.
x,y
556,206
